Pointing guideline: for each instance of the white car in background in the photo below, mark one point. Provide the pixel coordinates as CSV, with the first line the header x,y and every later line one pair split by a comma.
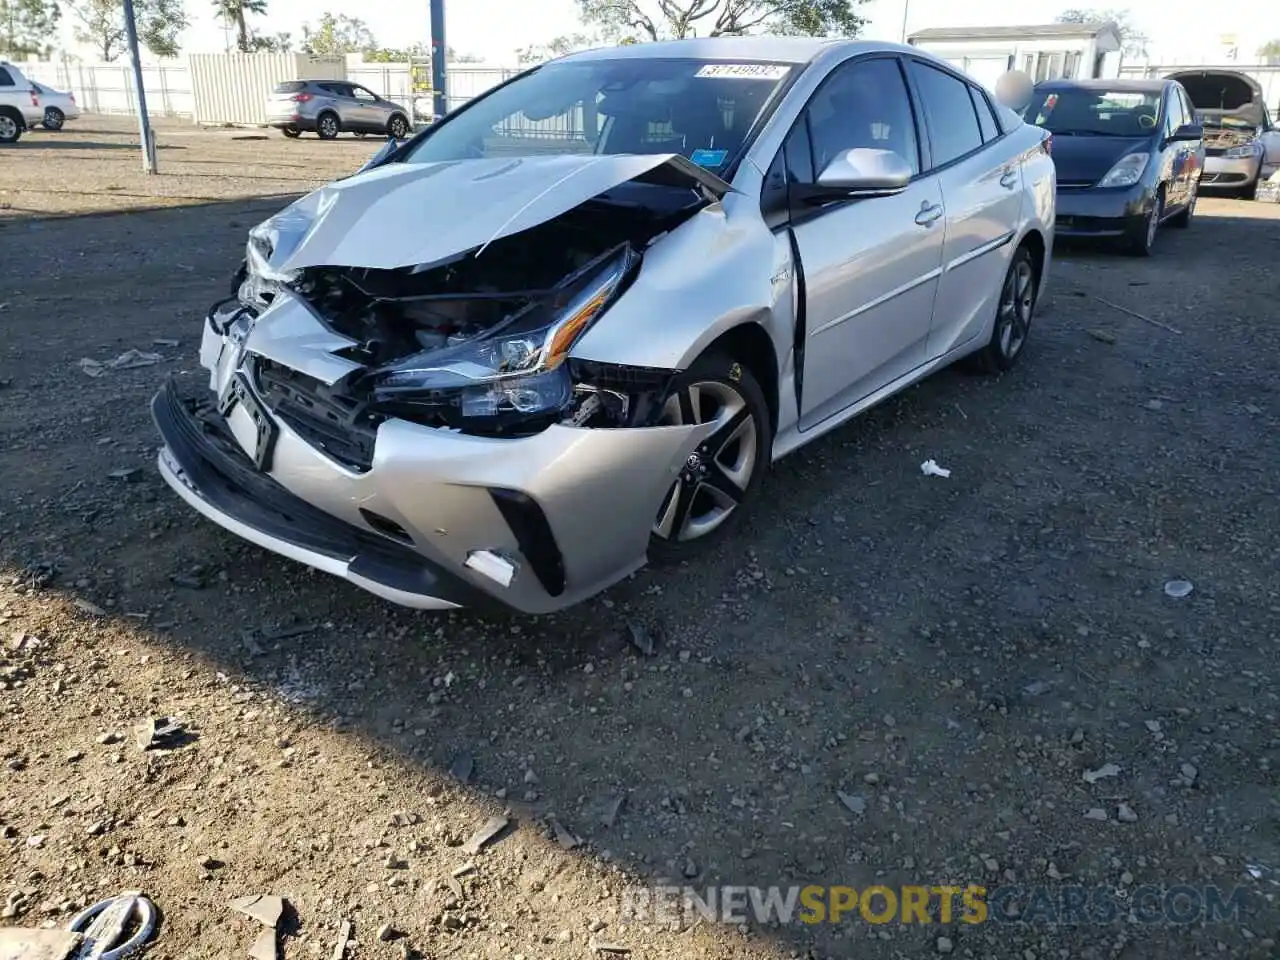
x,y
19,103
59,107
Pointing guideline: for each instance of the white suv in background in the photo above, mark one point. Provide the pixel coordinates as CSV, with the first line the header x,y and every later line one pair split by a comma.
x,y
20,106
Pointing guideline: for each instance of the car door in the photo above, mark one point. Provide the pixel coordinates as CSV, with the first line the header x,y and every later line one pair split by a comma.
x,y
869,266
368,109
980,175
1175,156
344,102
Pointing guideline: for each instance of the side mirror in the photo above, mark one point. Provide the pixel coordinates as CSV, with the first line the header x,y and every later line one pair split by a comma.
x,y
389,147
1186,132
863,172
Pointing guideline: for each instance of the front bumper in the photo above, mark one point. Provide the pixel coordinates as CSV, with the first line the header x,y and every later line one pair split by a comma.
x,y
570,509
1232,173
1094,212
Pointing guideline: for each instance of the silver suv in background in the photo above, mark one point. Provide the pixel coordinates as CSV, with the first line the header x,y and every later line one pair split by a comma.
x,y
330,107
20,107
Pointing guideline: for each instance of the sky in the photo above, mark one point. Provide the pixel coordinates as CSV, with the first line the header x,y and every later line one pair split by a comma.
x,y
495,29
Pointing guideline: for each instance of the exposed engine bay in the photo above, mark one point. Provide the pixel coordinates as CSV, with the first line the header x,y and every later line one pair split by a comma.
x,y
479,342
1223,136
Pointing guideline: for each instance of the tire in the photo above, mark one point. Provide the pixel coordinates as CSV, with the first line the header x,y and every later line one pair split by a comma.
x,y
1014,313
1182,220
1142,236
721,477
398,127
291,132
53,118
10,127
327,126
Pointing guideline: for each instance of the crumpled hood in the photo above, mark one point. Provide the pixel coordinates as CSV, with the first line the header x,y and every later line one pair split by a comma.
x,y
408,214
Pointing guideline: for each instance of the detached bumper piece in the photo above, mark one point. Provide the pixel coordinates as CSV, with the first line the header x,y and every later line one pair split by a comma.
x,y
202,462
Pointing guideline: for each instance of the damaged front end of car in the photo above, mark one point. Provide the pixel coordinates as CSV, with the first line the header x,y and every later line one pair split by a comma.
x,y
438,403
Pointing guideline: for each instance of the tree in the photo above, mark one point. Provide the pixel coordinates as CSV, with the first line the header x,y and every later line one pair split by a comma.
x,y
236,13
337,34
27,27
1270,52
274,43
559,47
419,51
160,23
1133,42
639,20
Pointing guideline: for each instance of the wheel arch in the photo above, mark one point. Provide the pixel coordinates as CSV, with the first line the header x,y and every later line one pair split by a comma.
x,y
14,114
1034,241
750,344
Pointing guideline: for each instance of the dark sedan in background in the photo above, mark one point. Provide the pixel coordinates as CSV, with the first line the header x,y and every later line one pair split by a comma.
x,y
1128,154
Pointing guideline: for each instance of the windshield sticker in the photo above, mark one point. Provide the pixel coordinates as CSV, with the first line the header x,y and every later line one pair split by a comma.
x,y
710,159
743,71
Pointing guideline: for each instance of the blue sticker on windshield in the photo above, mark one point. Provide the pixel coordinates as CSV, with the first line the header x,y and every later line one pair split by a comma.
x,y
709,158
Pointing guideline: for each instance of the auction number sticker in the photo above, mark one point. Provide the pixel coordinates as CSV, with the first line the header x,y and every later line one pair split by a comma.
x,y
743,71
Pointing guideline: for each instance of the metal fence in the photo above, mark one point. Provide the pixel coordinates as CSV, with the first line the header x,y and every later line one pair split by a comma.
x,y
109,87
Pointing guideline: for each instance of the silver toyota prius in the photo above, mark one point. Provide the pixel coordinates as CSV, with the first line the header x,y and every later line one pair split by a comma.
x,y
568,328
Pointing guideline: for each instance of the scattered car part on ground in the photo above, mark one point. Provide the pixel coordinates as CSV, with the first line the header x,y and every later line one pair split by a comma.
x,y
568,327
59,106
1128,155
329,107
1242,144
115,928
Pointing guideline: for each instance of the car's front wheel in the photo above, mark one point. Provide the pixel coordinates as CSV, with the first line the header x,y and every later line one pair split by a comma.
x,y
398,127
53,118
1017,305
722,474
1142,235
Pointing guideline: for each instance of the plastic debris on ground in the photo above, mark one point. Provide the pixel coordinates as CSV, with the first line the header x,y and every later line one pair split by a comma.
x,y
930,468
1178,589
126,361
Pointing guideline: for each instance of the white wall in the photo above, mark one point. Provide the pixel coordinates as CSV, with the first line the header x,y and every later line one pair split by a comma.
x,y
108,87
985,60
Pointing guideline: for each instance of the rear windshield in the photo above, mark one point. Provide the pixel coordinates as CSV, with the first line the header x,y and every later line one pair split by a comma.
x,y
1103,113
291,86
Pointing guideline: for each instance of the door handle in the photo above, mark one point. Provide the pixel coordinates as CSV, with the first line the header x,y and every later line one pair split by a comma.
x,y
929,212
1009,179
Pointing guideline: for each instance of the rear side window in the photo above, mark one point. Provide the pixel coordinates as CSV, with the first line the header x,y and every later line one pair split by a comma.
x,y
291,86
5,79
953,122
987,121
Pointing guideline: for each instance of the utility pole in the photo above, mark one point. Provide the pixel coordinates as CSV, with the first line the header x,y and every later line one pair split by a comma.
x,y
906,8
144,121
439,51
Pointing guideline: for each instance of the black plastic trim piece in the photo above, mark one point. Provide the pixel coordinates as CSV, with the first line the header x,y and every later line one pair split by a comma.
x,y
533,536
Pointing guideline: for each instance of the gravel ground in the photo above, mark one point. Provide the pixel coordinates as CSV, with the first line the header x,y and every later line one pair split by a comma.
x,y
94,165
952,655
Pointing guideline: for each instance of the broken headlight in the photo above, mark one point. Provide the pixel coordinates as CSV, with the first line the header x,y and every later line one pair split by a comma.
x,y
514,372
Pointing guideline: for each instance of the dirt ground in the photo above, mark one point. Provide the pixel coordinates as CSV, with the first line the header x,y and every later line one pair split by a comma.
x,y
951,655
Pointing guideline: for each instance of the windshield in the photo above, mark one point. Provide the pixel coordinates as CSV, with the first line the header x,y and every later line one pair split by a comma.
x,y
698,108
1103,113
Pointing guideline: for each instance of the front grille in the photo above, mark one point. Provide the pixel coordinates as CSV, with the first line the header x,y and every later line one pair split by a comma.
x,y
1074,184
324,416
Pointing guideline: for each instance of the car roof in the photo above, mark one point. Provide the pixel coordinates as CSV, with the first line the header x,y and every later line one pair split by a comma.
x,y
1118,86
777,49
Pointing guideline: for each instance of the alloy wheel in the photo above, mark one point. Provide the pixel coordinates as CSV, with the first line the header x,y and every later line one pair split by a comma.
x,y
715,478
8,129
399,129
54,119
1017,300
328,127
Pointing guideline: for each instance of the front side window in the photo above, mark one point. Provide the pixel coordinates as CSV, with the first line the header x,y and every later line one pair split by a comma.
x,y
863,104
953,123
1105,113
703,110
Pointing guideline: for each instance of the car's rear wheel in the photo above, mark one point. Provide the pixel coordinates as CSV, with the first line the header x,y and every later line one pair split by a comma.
x,y
1142,236
10,128
327,126
291,132
53,118
398,127
724,472
1017,305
